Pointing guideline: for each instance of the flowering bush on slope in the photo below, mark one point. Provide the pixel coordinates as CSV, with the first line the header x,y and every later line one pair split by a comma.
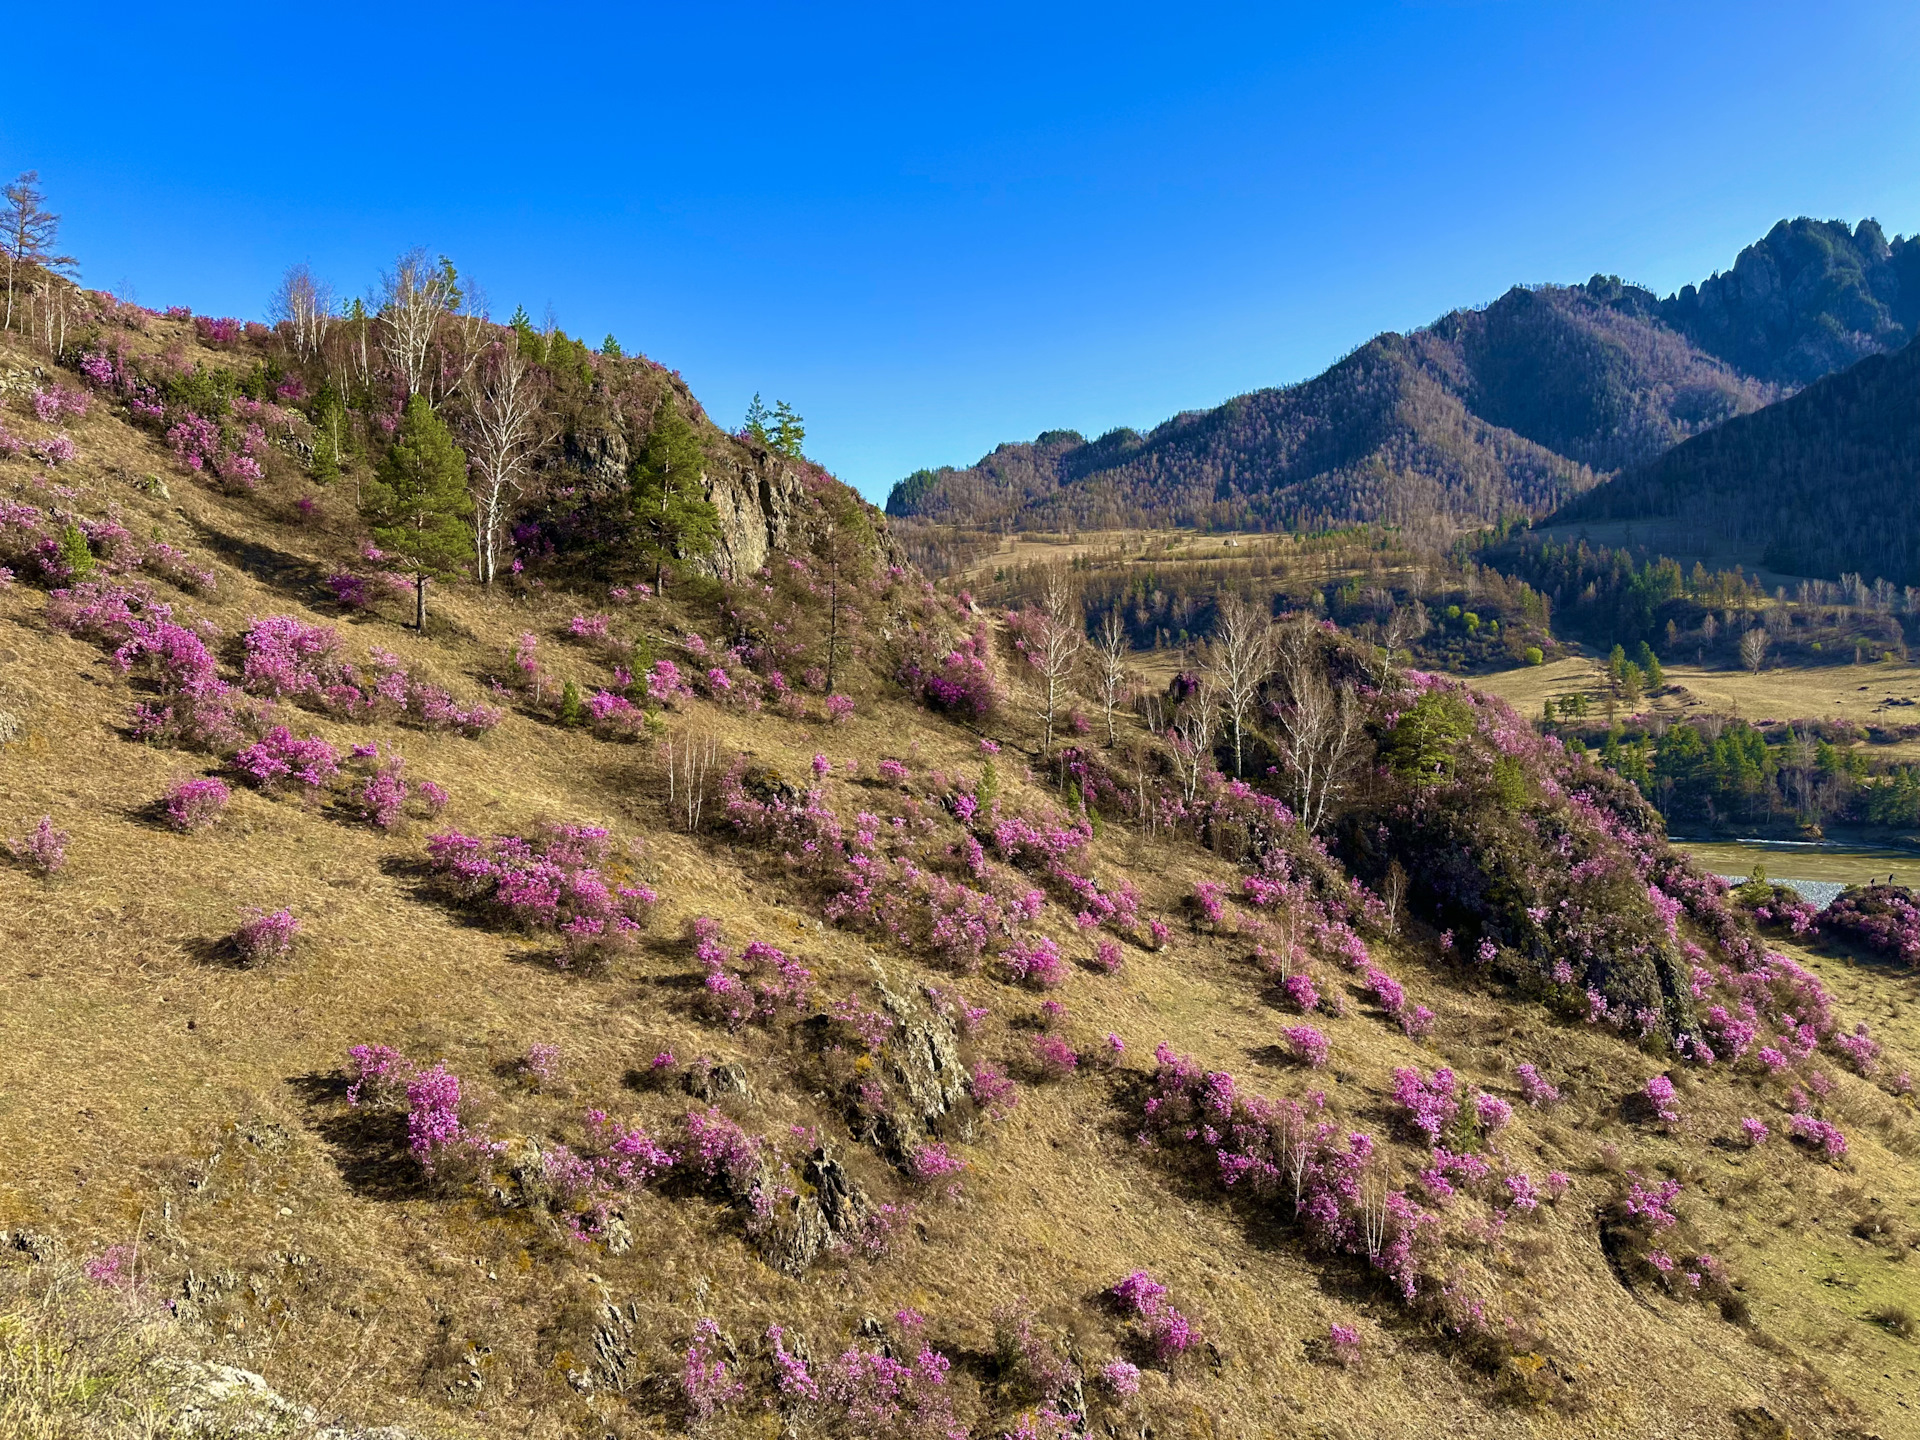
x,y
554,883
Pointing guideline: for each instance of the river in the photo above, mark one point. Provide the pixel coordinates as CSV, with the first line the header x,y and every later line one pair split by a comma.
x,y
1825,865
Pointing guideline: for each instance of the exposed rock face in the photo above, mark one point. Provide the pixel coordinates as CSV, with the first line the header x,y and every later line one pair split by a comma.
x,y
760,496
925,1080
761,501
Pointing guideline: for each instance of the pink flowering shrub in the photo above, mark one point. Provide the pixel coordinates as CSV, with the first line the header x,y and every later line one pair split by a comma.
x,y
1307,1045
1343,1343
445,1147
992,1090
893,772
1756,1132
196,804
1053,1058
1538,1091
1036,963
1429,1104
1107,958
1860,1048
1121,1379
265,935
1144,1299
1521,1192
705,1379
1288,1154
1491,1114
839,709
1660,1099
554,883
43,849
757,986
280,756
287,659
1821,1135
1881,919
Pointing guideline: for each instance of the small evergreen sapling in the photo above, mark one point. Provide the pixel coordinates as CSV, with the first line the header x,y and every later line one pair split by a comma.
x,y
417,502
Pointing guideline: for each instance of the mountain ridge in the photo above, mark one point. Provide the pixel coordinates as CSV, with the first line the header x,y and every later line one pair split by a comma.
x,y
1511,408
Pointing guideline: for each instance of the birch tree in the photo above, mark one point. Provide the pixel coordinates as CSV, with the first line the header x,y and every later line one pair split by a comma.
x,y
304,305
1318,723
1243,650
414,297
505,434
1053,648
1110,647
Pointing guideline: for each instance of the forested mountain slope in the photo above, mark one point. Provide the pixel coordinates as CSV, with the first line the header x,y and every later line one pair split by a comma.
x,y
1511,409
1825,483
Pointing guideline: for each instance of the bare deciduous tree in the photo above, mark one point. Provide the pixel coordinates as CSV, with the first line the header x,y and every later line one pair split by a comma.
x,y
1190,738
1242,657
1110,647
30,230
1318,723
414,297
1053,649
504,435
1753,649
304,305
691,762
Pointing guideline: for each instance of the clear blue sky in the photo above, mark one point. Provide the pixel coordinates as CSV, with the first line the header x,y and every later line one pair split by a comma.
x,y
936,228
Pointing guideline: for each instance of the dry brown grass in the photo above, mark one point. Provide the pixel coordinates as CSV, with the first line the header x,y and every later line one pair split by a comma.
x,y
147,1090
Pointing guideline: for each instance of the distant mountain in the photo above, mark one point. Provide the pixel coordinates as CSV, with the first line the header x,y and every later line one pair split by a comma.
x,y
1825,483
1810,299
1514,408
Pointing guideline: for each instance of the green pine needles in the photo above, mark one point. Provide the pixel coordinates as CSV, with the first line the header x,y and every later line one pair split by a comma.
x,y
417,503
672,517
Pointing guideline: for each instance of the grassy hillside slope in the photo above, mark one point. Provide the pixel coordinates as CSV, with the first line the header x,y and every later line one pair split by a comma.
x,y
157,1095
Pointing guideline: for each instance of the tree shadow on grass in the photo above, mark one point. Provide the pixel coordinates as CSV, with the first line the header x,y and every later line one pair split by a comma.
x,y
291,575
368,1145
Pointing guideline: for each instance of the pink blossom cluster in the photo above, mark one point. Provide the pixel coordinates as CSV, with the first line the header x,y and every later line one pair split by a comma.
x,y
1283,1149
1307,1045
1053,1057
1822,1135
1538,1091
286,659
194,708
196,804
1659,1096
1143,1298
265,935
43,849
756,986
992,1090
279,756
1429,1103
1035,962
553,883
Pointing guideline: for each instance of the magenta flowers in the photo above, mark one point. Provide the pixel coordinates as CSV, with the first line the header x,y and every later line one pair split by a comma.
x,y
43,850
266,935
196,804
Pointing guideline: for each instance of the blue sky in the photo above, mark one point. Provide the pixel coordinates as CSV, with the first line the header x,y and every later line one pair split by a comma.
x,y
933,229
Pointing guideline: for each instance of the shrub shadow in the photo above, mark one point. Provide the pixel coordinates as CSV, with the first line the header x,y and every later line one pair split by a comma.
x,y
369,1146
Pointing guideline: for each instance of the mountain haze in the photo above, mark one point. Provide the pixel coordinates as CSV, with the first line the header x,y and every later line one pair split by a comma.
x,y
1514,408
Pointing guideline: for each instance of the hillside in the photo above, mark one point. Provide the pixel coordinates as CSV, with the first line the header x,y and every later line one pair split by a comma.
x,y
1512,409
626,1012
1822,483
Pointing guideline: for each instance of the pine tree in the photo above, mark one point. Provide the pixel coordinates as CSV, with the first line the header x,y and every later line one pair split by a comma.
x,y
610,348
417,502
788,432
756,426
672,517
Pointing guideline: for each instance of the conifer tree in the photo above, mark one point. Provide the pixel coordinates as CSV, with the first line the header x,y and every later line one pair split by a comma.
x,y
672,517
417,502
